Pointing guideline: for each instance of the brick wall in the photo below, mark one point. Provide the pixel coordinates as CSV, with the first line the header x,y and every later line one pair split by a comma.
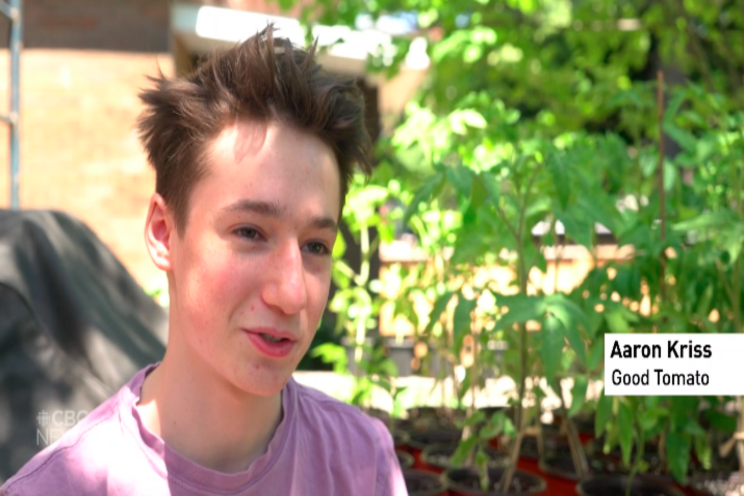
x,y
83,64
79,150
121,25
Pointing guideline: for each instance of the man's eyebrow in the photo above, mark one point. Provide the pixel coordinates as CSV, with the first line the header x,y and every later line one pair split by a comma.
x,y
324,223
268,209
277,211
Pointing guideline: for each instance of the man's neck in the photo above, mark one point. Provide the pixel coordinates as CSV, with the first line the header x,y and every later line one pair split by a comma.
x,y
205,419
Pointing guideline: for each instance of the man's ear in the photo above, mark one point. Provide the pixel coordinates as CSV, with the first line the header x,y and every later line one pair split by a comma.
x,y
159,231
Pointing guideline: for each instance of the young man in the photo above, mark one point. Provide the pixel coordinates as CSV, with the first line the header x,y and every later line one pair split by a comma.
x,y
253,154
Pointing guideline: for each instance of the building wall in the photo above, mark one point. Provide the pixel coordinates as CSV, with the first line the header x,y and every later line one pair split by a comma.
x,y
111,25
79,150
83,64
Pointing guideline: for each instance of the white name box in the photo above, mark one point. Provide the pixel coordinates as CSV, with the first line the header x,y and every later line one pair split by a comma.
x,y
674,364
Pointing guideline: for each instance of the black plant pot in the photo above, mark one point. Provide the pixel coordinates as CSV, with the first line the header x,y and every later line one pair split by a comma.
x,y
420,483
616,485
405,459
437,457
433,417
561,465
421,440
431,365
400,439
716,483
553,443
401,353
465,482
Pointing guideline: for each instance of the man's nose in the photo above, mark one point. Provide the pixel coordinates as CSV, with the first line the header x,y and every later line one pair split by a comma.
x,y
285,285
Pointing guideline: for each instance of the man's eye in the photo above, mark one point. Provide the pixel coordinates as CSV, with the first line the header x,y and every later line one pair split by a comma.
x,y
318,248
247,233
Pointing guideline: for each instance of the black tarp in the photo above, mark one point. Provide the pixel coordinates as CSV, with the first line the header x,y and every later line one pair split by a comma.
x,y
74,328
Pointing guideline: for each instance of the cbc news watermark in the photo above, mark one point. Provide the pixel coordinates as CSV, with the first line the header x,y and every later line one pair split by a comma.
x,y
52,425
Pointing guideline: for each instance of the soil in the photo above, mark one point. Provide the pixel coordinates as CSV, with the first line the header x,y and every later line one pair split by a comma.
x,y
584,422
420,440
562,465
614,458
522,482
604,485
440,455
422,483
719,484
552,442
429,417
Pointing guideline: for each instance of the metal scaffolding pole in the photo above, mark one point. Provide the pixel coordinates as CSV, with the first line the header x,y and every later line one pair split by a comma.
x,y
12,10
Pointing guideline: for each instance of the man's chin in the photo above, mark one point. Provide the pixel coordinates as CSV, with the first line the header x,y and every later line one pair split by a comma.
x,y
263,383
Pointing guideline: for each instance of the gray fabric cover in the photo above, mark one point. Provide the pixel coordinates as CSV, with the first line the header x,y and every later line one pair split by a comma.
x,y
74,328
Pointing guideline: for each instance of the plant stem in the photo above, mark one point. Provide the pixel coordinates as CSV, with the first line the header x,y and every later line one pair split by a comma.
x,y
558,255
514,456
662,195
636,465
522,277
735,304
577,451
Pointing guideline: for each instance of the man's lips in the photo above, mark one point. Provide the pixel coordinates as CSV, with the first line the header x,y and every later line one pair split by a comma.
x,y
273,332
271,342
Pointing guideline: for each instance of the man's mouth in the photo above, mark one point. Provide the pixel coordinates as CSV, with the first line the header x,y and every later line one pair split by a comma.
x,y
274,343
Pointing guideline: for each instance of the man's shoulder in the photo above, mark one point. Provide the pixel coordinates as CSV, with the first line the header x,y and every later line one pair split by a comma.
x,y
341,418
338,427
79,458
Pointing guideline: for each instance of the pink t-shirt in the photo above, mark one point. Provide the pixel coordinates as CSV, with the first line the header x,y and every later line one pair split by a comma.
x,y
322,447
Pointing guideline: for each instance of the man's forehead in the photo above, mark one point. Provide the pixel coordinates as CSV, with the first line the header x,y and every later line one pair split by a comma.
x,y
240,139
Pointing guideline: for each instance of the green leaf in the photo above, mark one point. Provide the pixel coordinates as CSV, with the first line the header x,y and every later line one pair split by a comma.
x,y
721,421
552,333
673,106
685,139
479,192
461,178
731,240
718,220
678,454
522,308
703,451
464,448
339,247
616,321
649,418
332,353
625,420
439,306
423,194
462,320
491,184
578,395
495,426
577,225
459,120
476,418
561,179
693,428
571,315
596,352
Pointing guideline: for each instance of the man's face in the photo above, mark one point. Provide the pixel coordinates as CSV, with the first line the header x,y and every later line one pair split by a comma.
x,y
254,262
